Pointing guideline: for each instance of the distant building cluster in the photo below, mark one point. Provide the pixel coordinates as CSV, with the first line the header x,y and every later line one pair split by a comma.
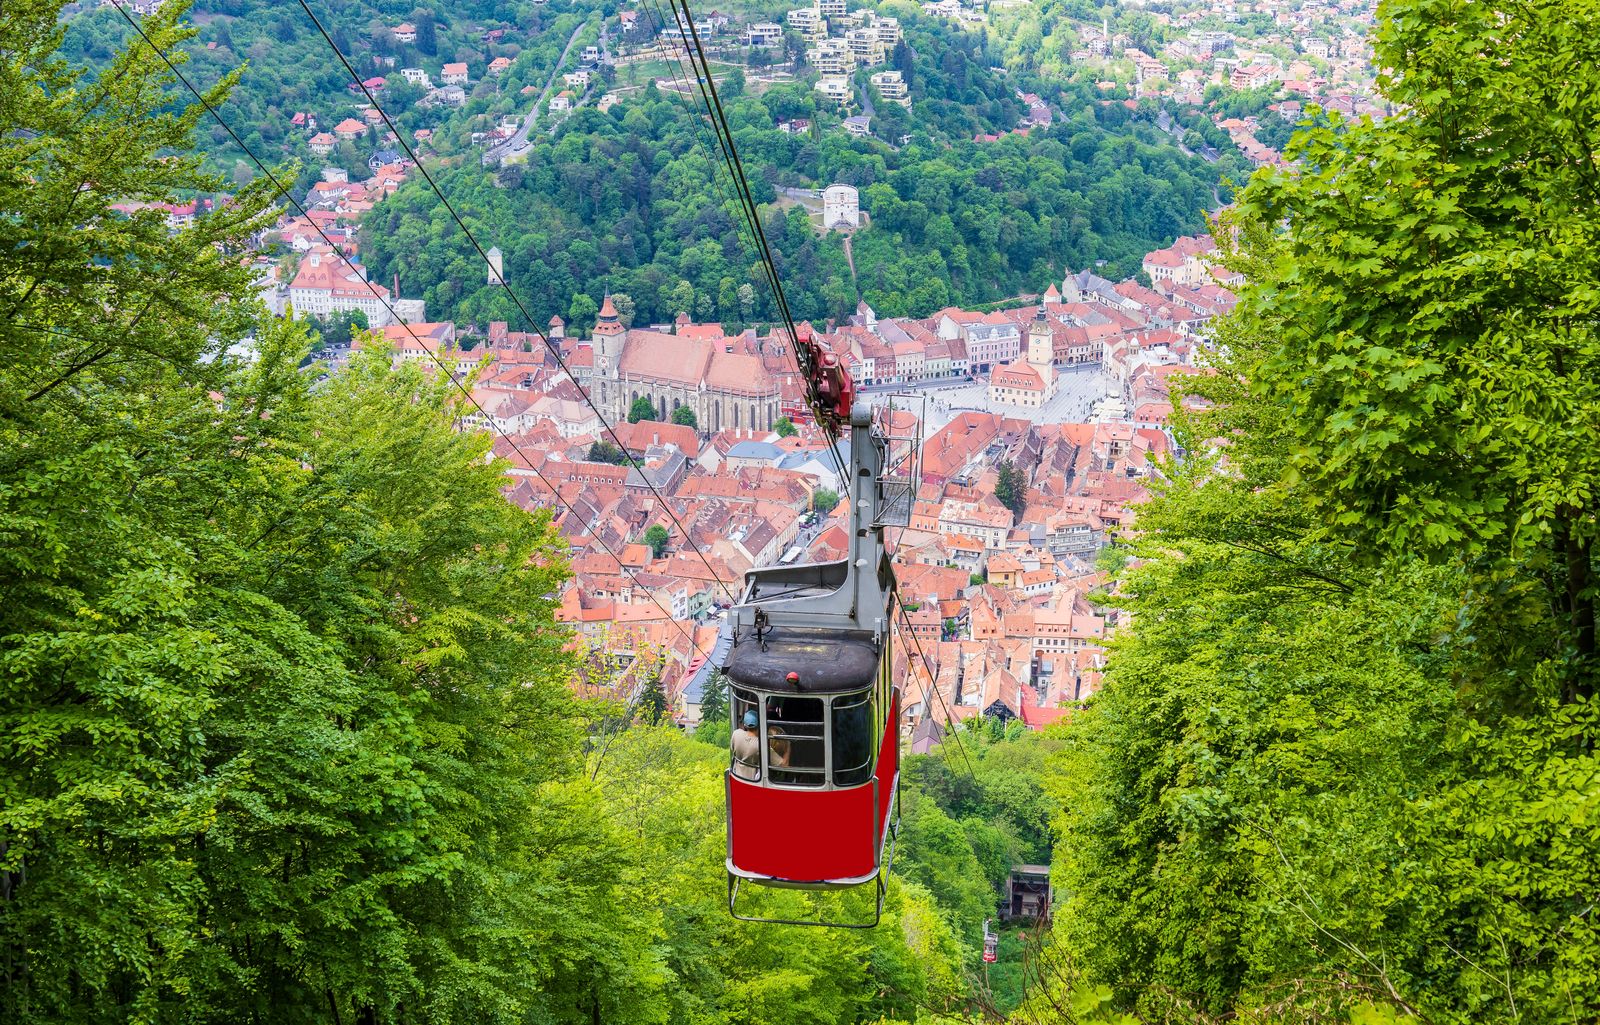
x,y
838,41
1314,52
1000,598
324,273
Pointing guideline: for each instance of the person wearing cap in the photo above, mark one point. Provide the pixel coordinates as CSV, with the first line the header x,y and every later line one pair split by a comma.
x,y
747,748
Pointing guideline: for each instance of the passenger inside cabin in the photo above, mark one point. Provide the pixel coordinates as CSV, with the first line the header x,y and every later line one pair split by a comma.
x,y
747,748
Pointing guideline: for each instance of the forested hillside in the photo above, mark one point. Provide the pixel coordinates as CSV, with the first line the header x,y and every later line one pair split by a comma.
x,y
637,200
627,202
289,69
1347,752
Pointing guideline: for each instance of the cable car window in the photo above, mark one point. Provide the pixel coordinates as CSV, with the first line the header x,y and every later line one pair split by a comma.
x,y
745,741
796,745
852,739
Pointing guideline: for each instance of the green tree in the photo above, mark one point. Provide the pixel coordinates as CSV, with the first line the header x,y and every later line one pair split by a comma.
x,y
714,709
1011,487
652,702
785,428
623,304
684,417
1442,414
427,32
1391,564
823,501
642,409
339,328
657,538
581,313
681,299
604,452
240,663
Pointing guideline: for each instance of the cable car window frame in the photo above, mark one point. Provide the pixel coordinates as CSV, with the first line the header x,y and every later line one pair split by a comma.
x,y
870,736
741,700
784,775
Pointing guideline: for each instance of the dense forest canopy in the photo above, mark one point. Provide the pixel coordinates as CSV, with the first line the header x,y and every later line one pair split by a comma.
x,y
631,201
1347,753
638,201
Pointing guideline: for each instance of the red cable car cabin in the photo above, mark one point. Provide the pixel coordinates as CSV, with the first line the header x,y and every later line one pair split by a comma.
x,y
815,765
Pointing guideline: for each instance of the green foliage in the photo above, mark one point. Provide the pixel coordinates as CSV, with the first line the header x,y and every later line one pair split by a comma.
x,y
581,313
939,856
605,452
261,759
627,198
652,702
337,329
785,428
1344,762
1437,275
657,538
1011,487
963,831
286,732
684,416
642,409
714,708
824,501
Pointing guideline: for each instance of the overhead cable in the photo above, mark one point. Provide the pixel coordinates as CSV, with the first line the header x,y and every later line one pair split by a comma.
x,y
554,349
284,191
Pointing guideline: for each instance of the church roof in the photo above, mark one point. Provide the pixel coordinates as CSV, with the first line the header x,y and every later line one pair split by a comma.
x,y
688,362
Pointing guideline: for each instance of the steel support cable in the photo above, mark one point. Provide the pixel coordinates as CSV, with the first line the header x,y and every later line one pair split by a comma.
x,y
483,254
719,119
701,72
740,181
748,210
933,684
742,185
744,224
680,77
282,190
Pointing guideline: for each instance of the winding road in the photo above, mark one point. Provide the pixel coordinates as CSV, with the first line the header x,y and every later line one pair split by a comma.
x,y
519,142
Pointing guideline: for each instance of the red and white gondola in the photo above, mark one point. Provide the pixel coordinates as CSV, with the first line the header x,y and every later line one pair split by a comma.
x,y
813,780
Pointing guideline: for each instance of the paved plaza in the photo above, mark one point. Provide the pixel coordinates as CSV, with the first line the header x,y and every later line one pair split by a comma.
x,y
1080,388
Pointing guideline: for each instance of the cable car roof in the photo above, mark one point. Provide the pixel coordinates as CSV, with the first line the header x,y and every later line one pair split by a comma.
x,y
826,661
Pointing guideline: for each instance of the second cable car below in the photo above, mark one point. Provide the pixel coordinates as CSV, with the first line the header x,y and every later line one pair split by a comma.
x,y
814,775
